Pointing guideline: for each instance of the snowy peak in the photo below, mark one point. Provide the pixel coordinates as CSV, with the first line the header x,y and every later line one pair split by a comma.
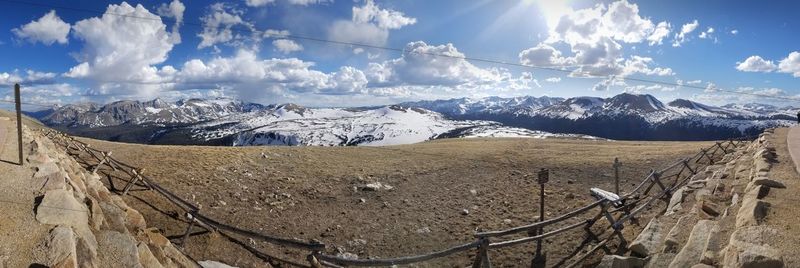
x,y
632,102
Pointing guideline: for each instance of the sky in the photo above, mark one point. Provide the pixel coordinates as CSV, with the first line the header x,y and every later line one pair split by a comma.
x,y
335,53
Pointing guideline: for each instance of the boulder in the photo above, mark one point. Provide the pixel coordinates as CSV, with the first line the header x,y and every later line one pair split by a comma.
x,y
649,240
146,257
671,242
757,192
761,165
660,260
675,202
768,182
614,261
117,250
61,248
692,252
59,207
707,209
751,213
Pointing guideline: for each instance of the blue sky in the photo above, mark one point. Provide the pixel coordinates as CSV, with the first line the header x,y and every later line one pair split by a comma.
x,y
63,53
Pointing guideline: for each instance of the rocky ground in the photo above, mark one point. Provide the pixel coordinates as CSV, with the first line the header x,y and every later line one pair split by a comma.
x,y
384,201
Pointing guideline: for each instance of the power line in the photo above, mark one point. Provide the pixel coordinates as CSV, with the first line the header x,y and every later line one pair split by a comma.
x,y
473,59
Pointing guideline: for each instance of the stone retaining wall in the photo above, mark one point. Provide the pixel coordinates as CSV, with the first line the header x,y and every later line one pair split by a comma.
x,y
91,227
715,220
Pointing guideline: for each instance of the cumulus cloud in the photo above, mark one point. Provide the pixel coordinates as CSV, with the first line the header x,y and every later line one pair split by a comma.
x,y
286,46
369,24
683,35
756,64
250,76
258,3
595,36
420,65
637,64
218,24
734,32
29,77
790,64
707,33
308,2
114,63
173,10
659,33
48,29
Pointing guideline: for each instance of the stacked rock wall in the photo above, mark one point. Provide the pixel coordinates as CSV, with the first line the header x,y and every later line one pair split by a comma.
x,y
716,219
91,227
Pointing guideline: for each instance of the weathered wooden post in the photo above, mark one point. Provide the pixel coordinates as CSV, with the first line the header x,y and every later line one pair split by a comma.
x,y
18,103
191,216
102,161
312,260
136,177
617,165
540,259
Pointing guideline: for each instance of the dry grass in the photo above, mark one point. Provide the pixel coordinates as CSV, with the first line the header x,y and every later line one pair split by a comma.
x,y
308,192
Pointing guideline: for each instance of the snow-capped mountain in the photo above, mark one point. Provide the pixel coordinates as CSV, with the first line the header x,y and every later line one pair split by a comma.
x,y
624,116
155,111
390,125
231,122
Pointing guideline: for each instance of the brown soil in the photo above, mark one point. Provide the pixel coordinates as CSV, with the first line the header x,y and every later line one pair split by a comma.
x,y
310,192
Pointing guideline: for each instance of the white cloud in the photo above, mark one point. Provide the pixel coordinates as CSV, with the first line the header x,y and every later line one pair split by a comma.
x,y
419,66
683,35
48,29
594,36
383,18
369,24
113,62
286,46
734,32
543,55
218,26
790,64
258,3
29,77
252,77
707,33
637,64
174,10
756,64
553,79
659,33
307,2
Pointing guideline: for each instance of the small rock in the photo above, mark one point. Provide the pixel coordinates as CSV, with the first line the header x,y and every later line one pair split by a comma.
x,y
569,196
507,221
423,230
473,191
465,212
362,200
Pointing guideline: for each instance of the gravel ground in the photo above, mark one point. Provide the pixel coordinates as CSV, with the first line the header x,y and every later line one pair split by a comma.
x,y
441,193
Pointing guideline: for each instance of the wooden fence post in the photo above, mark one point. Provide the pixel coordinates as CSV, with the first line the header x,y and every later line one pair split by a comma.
x,y
133,181
617,165
191,215
102,161
482,259
18,103
312,261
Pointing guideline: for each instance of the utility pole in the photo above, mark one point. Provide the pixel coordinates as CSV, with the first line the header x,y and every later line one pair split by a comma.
x,y
19,120
540,259
617,165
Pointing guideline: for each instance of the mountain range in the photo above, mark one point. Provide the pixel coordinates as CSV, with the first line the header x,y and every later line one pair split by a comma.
x,y
224,121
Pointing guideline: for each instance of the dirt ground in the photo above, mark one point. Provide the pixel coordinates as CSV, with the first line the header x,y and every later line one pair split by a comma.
x,y
783,212
442,193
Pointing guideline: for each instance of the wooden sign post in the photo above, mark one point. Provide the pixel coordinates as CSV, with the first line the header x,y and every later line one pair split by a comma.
x,y
540,259
18,103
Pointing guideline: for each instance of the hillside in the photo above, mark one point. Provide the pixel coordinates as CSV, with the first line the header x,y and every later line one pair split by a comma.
x,y
431,195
